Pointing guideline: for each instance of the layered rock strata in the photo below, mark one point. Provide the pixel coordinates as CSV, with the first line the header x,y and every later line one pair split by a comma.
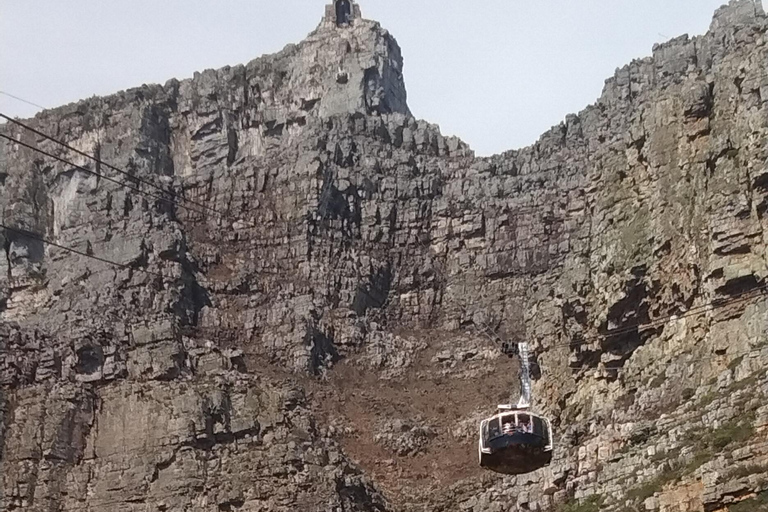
x,y
313,287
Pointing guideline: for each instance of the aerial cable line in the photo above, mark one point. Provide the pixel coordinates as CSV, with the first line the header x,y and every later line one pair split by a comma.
x,y
495,338
657,322
21,100
694,360
107,165
523,210
739,298
519,212
624,330
744,296
100,176
122,184
123,266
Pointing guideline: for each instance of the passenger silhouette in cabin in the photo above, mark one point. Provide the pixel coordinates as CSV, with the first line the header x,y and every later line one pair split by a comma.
x,y
343,12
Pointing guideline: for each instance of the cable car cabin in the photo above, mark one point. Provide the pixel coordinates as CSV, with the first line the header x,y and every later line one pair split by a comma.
x,y
515,442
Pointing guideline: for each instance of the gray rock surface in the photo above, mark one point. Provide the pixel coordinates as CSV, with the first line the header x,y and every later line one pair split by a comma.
x,y
313,323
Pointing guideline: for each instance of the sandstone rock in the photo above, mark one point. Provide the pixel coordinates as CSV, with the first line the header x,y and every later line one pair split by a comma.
x,y
334,240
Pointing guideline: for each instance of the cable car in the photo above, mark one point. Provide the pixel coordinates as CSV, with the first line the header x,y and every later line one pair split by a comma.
x,y
515,440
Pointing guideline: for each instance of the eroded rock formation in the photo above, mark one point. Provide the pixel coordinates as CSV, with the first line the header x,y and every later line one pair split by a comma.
x,y
314,285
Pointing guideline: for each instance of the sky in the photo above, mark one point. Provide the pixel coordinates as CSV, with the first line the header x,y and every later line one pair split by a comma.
x,y
497,73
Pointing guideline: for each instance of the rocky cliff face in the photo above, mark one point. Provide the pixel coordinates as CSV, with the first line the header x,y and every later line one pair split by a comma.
x,y
310,318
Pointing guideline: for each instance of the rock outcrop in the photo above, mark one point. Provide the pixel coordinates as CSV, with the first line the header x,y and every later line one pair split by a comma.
x,y
273,289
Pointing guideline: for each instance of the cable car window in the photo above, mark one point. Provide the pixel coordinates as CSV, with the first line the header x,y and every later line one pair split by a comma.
x,y
494,429
524,423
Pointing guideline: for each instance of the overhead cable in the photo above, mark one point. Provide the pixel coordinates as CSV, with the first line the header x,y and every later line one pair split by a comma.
x,y
105,164
99,175
27,234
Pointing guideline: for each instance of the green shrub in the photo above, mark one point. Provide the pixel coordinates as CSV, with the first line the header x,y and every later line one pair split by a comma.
x,y
674,471
644,491
706,443
736,431
707,399
749,382
590,504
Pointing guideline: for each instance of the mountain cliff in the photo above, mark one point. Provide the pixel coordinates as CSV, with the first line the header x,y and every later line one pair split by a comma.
x,y
270,287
